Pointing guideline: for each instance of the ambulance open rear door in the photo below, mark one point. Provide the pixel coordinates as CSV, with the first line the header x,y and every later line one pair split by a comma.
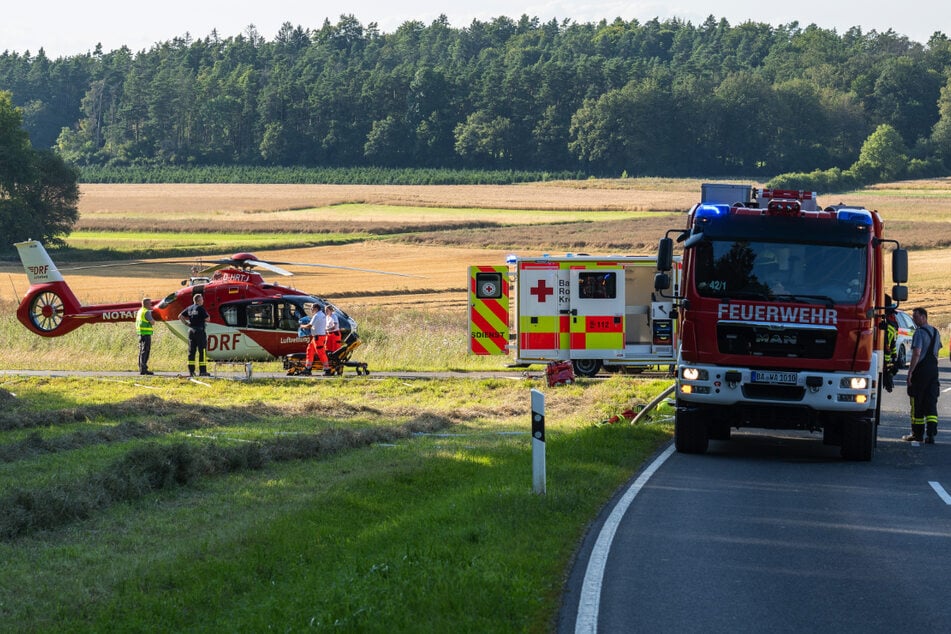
x,y
488,310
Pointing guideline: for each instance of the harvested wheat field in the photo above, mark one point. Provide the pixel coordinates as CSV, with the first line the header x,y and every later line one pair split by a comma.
x,y
431,233
594,195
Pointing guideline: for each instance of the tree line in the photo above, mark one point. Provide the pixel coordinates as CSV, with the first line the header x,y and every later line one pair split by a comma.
x,y
608,98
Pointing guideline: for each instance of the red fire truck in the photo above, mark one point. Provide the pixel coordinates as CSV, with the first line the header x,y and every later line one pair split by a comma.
x,y
780,312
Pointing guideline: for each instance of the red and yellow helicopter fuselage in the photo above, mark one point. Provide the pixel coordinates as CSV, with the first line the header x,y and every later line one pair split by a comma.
x,y
249,319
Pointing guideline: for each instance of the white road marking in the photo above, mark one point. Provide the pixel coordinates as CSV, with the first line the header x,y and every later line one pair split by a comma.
x,y
947,389
590,601
941,492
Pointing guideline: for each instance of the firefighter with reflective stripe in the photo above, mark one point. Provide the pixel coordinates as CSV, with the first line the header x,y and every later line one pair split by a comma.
x,y
195,317
891,347
143,326
923,385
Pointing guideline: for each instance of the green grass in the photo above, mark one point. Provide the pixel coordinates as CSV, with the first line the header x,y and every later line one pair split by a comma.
x,y
431,532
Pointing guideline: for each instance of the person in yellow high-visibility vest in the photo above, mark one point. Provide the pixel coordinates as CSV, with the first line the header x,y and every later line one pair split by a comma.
x,y
143,326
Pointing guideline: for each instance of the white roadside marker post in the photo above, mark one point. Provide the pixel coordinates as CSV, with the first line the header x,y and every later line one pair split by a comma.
x,y
538,442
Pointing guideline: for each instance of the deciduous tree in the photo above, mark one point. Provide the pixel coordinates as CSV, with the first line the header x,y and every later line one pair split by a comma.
x,y
38,190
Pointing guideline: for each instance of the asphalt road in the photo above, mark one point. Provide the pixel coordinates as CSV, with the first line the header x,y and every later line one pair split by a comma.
x,y
775,533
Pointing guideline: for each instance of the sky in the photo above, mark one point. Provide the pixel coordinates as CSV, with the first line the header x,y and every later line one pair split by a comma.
x,y
64,28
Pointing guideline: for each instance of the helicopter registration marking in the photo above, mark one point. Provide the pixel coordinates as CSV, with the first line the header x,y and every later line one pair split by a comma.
x,y
238,277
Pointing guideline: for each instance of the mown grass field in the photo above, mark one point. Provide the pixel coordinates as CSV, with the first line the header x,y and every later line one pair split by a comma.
x,y
355,505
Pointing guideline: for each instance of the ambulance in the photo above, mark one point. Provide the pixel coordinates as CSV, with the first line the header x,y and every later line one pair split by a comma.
x,y
595,311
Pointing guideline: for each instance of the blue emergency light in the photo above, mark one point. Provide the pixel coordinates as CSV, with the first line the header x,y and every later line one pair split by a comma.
x,y
712,211
857,217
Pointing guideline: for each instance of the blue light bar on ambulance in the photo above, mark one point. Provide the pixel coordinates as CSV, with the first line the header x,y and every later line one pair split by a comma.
x,y
858,217
712,211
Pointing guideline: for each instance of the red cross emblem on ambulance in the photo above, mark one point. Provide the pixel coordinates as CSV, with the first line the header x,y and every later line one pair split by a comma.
x,y
541,291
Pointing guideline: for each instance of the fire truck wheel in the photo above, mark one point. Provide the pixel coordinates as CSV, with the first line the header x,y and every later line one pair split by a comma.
x,y
690,432
902,360
586,367
858,439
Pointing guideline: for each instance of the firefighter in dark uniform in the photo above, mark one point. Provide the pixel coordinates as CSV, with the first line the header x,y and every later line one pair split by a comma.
x,y
195,317
923,386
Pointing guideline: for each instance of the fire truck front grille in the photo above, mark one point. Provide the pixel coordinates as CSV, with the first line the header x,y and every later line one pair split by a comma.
x,y
776,341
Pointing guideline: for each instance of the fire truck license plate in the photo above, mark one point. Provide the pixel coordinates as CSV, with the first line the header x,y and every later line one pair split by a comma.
x,y
759,376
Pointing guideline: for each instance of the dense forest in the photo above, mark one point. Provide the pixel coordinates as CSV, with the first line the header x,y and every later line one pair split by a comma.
x,y
611,98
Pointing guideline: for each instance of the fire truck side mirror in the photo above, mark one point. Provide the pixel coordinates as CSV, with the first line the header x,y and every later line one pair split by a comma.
x,y
899,293
661,281
665,257
899,266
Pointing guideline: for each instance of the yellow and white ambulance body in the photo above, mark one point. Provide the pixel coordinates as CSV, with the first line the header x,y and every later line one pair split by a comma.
x,y
596,311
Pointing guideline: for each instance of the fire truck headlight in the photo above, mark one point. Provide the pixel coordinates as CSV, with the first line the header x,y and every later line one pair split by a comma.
x,y
854,383
694,374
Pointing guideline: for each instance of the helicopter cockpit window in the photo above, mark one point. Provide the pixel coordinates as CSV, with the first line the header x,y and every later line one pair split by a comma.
x,y
230,315
597,285
290,316
261,316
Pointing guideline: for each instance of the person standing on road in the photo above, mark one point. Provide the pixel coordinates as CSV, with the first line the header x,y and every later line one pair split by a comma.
x,y
923,386
144,323
195,317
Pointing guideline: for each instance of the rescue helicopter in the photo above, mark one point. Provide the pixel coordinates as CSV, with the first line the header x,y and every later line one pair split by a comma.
x,y
250,319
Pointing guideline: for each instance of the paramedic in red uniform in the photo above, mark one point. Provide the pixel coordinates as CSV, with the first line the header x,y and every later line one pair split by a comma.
x,y
318,339
333,330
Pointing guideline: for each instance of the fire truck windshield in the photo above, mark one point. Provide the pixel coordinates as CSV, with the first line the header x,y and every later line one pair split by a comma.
x,y
774,271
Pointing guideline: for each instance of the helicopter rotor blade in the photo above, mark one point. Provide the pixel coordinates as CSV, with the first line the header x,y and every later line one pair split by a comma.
x,y
223,264
269,267
232,262
348,268
125,263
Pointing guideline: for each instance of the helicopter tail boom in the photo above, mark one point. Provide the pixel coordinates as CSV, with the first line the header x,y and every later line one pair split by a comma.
x,y
50,308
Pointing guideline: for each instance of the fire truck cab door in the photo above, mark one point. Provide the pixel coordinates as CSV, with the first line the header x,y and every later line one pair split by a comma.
x,y
596,320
